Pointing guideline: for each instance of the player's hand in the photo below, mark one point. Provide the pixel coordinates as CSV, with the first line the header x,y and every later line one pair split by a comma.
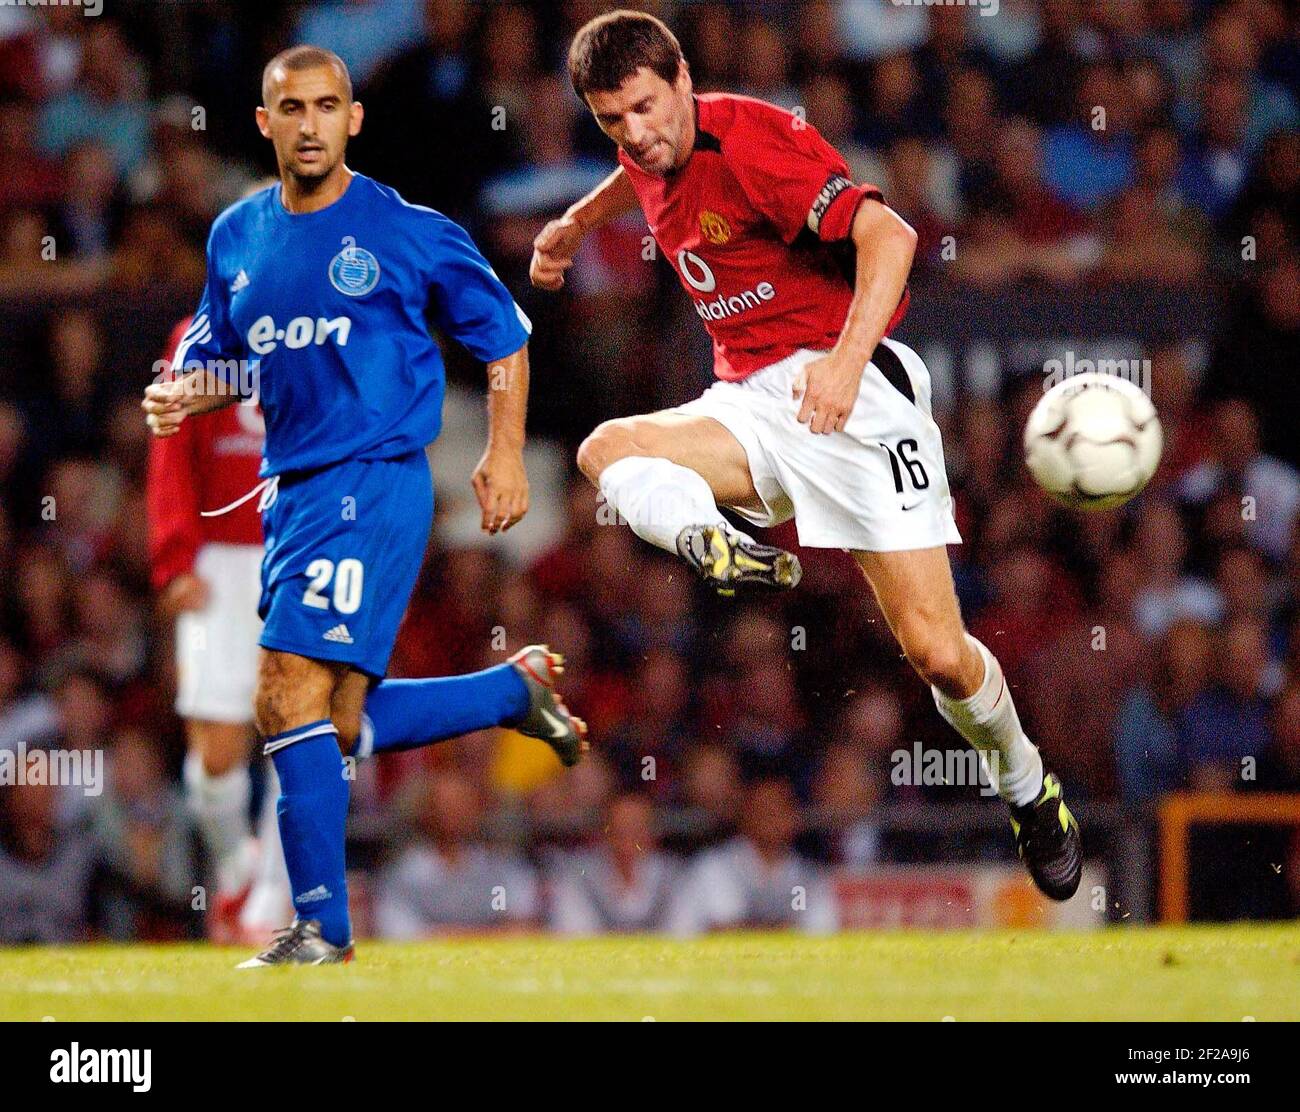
x,y
501,485
828,388
185,592
164,406
553,252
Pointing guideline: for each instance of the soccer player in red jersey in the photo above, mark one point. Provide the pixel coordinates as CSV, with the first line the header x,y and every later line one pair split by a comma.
x,y
799,275
207,572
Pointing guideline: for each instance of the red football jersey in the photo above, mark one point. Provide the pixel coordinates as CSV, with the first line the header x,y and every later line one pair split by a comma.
x,y
208,464
750,223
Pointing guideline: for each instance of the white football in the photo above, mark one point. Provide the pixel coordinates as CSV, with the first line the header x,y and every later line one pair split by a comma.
x,y
1093,441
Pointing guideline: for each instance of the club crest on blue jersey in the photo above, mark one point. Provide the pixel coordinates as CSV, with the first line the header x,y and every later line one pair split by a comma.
x,y
354,271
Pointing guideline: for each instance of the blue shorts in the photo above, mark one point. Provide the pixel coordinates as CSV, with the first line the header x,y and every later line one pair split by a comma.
x,y
344,545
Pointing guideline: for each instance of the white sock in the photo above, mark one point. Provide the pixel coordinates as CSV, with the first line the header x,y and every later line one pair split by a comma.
x,y
220,805
270,903
988,720
659,498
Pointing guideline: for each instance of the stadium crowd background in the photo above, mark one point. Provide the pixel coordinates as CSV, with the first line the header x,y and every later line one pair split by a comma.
x,y
123,135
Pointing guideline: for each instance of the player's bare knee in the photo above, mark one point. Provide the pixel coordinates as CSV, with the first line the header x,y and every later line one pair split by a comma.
x,y
289,693
269,708
607,443
938,659
601,448
267,704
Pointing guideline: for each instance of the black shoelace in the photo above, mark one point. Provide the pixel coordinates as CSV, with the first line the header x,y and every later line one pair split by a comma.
x,y
284,942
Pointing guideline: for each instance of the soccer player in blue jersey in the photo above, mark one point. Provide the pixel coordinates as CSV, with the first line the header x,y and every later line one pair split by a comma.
x,y
315,300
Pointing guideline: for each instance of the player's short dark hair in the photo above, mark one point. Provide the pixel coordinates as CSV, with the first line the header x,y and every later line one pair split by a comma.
x,y
612,47
301,58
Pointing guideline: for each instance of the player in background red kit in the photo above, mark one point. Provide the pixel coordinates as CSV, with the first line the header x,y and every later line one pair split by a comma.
x,y
207,573
799,275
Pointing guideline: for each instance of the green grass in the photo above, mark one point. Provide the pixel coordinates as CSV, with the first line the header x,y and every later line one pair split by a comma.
x,y
1222,973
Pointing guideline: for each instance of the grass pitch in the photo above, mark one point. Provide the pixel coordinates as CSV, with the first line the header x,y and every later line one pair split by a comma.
x,y
1205,973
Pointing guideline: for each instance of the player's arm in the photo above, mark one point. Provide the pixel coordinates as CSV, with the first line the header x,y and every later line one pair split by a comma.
x,y
885,244
167,404
473,306
800,184
558,242
196,381
500,480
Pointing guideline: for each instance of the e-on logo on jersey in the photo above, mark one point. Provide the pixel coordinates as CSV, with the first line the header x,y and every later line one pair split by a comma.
x,y
354,271
264,336
699,276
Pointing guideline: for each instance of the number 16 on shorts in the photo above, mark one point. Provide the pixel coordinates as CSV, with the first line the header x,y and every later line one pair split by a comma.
x,y
341,583
906,452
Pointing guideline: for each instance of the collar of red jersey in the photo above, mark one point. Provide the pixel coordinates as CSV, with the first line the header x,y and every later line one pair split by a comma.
x,y
704,140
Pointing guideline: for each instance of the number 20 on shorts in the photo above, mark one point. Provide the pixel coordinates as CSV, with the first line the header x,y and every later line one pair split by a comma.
x,y
347,577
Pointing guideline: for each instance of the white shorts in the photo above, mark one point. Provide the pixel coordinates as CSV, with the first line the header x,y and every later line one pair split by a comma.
x,y
216,647
878,486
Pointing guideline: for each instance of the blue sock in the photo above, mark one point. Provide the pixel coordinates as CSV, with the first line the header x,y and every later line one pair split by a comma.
x,y
405,714
313,810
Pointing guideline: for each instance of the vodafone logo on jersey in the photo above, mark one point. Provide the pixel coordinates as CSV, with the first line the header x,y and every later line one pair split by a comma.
x,y
698,273
699,276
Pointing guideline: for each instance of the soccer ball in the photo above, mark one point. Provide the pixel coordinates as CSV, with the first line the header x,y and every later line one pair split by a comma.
x,y
1093,441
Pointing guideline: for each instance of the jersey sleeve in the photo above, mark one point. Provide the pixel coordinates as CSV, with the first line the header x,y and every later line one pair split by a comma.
x,y
211,342
470,303
794,177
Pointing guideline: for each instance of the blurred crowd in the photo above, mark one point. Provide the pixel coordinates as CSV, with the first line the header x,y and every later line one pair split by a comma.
x,y
740,750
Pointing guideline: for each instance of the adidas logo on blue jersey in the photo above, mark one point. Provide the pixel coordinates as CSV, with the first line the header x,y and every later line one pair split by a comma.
x,y
340,634
241,280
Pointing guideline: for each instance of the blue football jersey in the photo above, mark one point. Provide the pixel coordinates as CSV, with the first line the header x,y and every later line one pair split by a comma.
x,y
323,314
